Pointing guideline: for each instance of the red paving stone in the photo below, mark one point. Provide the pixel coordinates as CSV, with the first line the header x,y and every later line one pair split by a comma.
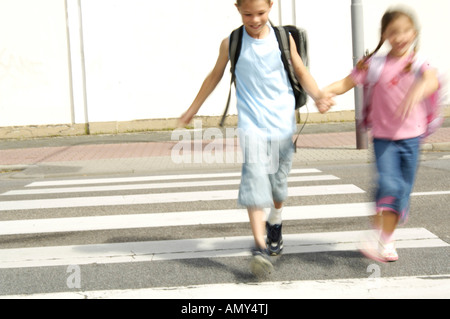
x,y
30,156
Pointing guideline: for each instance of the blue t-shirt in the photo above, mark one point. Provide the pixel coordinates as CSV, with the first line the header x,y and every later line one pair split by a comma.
x,y
265,99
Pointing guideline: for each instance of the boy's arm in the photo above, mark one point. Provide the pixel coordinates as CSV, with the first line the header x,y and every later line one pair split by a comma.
x,y
210,83
307,81
304,77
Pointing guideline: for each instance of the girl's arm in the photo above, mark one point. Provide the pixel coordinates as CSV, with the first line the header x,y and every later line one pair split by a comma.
x,y
341,87
337,88
422,89
307,81
210,83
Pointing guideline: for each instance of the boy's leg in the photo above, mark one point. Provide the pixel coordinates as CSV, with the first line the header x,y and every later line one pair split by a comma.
x,y
255,193
274,228
279,185
258,224
261,265
275,217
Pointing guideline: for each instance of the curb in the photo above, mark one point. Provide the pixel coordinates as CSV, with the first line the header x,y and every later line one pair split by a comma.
x,y
436,147
13,168
307,157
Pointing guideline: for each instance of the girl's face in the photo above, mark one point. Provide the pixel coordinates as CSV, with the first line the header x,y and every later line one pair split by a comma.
x,y
255,15
401,34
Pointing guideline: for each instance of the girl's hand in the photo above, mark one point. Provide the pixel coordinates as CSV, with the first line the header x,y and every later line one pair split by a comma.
x,y
325,102
423,88
412,99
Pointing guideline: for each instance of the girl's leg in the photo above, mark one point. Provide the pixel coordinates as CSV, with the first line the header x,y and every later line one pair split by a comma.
x,y
387,249
386,222
389,192
389,224
410,152
397,163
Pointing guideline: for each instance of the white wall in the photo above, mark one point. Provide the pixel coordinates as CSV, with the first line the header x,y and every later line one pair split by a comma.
x,y
34,86
147,59
329,26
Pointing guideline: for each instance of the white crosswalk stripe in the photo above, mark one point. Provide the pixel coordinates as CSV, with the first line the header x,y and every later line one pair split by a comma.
x,y
189,189
430,287
153,186
152,178
197,248
165,198
56,225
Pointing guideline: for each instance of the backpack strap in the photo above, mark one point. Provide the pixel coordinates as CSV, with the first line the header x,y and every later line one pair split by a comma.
x,y
419,62
283,37
376,66
235,46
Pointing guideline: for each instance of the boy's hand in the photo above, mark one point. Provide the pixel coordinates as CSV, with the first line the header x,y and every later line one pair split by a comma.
x,y
185,119
325,102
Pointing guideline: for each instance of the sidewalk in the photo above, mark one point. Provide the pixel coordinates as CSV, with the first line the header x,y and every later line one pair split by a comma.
x,y
146,153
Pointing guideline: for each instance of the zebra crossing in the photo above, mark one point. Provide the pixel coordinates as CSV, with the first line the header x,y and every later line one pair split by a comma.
x,y
198,193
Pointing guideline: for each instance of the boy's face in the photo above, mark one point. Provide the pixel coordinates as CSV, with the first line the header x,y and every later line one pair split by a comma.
x,y
255,15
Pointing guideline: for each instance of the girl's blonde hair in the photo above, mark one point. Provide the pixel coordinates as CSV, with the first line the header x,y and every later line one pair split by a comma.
x,y
240,2
389,17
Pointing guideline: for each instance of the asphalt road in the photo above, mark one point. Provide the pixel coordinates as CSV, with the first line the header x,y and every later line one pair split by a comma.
x,y
429,212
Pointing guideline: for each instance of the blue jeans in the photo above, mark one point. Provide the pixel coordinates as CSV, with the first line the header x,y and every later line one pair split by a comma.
x,y
397,163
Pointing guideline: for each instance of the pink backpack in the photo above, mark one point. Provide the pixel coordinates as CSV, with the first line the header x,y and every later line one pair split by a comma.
x,y
433,103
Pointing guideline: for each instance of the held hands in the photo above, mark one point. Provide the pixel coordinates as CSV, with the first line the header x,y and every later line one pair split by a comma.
x,y
325,102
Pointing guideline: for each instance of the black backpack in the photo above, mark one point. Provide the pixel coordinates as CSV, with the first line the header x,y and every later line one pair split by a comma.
x,y
282,34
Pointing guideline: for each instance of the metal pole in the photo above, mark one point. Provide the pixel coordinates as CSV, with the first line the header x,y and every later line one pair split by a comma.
x,y
294,13
69,54
83,71
358,53
280,14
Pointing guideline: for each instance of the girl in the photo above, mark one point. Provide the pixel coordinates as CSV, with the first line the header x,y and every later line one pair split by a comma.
x,y
266,113
398,118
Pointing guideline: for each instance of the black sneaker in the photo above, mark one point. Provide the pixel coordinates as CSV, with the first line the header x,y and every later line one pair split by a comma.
x,y
274,239
261,265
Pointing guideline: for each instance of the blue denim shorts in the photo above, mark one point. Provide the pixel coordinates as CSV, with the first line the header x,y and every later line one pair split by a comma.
x,y
265,170
397,165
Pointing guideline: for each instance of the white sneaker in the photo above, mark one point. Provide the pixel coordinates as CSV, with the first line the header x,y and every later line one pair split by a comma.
x,y
388,252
